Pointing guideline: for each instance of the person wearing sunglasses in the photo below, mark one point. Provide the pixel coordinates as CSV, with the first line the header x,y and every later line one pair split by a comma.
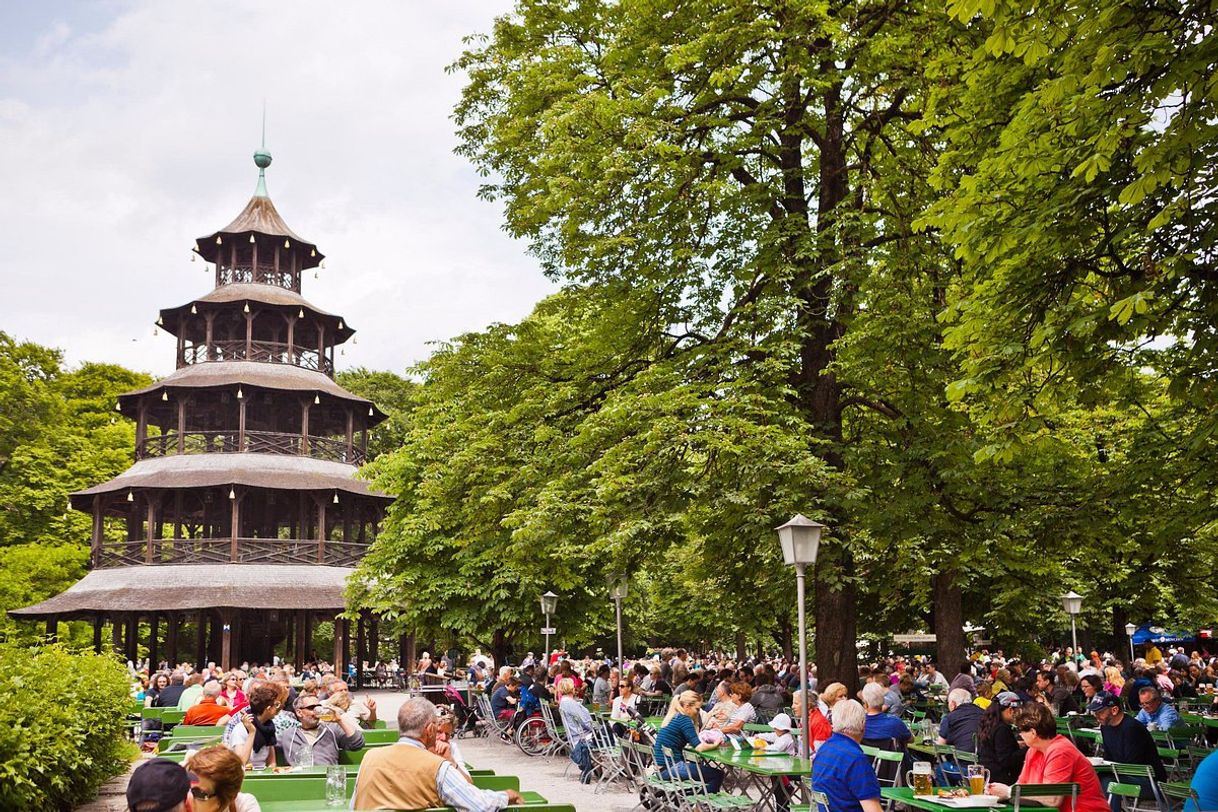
x,y
315,743
216,774
1053,759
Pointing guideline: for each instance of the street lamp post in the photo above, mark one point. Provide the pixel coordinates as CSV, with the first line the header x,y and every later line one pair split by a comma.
x,y
800,541
1073,603
617,590
549,604
1130,628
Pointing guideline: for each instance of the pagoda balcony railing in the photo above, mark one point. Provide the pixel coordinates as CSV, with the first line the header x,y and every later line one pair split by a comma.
x,y
260,274
258,442
273,352
229,551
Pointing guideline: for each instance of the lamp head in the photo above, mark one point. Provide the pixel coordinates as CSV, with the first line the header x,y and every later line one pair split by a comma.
x,y
800,540
1072,602
549,603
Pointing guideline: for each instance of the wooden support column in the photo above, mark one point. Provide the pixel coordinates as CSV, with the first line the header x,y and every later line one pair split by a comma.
x,y
181,425
141,429
308,635
116,634
52,629
249,336
321,346
240,421
131,638
181,359
98,530
226,639
209,321
154,629
340,648
350,457
304,426
321,529
292,339
234,523
301,649
201,640
171,638
97,634
150,534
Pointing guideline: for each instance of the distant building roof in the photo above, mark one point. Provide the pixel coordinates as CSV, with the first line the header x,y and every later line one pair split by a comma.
x,y
183,587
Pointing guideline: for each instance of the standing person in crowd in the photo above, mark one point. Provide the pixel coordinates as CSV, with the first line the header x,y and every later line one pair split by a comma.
x,y
998,748
843,772
216,777
678,731
1155,711
1053,759
406,775
314,742
1126,742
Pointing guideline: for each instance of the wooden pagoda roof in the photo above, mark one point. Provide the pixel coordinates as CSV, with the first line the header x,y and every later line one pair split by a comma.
x,y
260,217
271,295
184,587
272,471
213,374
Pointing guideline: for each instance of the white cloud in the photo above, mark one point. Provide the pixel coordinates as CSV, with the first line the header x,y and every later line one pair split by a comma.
x,y
126,137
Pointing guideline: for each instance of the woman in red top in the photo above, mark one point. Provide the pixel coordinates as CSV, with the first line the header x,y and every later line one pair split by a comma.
x,y
819,727
232,694
1053,759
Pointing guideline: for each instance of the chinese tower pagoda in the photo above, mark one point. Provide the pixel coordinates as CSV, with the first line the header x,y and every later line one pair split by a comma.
x,y
241,513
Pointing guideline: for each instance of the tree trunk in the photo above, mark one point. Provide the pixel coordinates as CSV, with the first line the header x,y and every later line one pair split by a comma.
x,y
742,653
948,622
785,639
500,648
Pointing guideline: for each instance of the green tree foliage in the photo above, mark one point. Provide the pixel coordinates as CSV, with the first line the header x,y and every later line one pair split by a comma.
x,y
58,434
391,393
64,714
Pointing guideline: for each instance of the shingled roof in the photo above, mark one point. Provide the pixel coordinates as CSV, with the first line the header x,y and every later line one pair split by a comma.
x,y
183,587
283,472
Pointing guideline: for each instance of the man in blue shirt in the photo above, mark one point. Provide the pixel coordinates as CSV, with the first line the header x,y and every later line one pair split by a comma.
x,y
1155,711
842,771
881,725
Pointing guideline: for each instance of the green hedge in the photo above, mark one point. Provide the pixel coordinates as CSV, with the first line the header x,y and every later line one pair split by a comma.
x,y
62,718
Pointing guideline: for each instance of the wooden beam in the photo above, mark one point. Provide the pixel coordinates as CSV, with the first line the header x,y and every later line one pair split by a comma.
x,y
154,633
97,633
226,639
98,529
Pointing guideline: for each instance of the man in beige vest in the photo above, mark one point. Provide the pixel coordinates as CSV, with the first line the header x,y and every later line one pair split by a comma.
x,y
407,775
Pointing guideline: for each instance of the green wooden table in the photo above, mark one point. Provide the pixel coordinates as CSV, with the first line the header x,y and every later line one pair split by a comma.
x,y
905,795
320,806
756,774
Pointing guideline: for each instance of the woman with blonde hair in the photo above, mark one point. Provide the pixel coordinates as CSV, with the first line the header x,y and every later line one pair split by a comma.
x,y
216,774
678,731
1113,681
818,719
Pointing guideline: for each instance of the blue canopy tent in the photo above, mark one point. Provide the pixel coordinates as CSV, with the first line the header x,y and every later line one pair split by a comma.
x,y
1154,633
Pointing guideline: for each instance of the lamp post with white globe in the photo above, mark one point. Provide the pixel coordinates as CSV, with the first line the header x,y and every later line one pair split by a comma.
x,y
1073,604
800,541
1130,628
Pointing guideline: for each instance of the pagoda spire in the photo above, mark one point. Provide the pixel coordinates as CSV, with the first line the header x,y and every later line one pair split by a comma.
x,y
262,159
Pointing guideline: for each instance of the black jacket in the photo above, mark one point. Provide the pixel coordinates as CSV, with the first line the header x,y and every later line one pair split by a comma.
x,y
1002,755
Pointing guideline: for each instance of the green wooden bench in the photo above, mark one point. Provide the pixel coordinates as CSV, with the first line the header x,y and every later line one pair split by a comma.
x,y
380,736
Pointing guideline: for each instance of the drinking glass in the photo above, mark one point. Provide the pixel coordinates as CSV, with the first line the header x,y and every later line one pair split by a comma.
x,y
921,778
304,758
336,785
978,777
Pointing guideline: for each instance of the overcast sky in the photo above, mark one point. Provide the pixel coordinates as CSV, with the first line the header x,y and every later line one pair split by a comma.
x,y
127,130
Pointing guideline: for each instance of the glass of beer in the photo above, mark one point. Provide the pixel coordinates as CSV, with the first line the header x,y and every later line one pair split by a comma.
x,y
978,777
922,778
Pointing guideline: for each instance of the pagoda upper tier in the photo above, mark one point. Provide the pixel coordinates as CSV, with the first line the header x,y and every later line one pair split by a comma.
x,y
258,247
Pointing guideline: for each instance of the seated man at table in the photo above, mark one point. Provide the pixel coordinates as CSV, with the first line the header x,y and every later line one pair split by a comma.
x,y
208,711
1125,742
882,727
407,776
1155,711
314,742
843,771
959,725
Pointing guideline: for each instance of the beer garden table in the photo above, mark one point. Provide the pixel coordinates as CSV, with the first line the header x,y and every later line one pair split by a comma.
x,y
758,771
905,796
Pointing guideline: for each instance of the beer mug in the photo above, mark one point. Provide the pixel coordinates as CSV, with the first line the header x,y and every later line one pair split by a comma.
x,y
978,778
921,778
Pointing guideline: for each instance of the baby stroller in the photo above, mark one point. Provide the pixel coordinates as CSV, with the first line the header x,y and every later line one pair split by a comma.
x,y
466,721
